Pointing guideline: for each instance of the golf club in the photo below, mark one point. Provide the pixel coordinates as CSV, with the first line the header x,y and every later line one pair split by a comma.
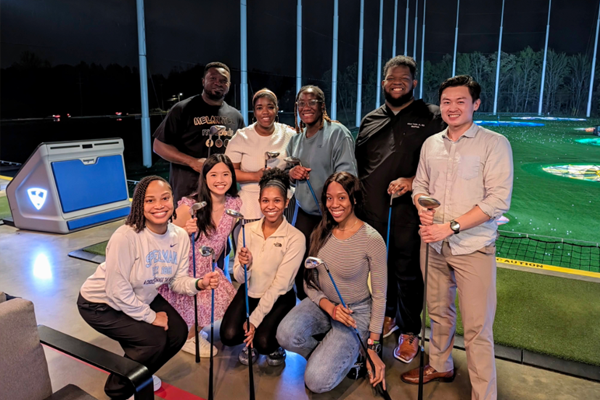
x,y
238,215
389,224
296,161
193,210
314,262
269,155
209,252
430,204
214,130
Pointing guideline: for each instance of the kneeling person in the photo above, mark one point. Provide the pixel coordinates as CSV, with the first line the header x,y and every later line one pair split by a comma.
x,y
273,253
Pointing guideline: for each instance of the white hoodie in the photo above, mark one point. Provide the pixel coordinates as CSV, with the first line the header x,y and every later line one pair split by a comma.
x,y
136,265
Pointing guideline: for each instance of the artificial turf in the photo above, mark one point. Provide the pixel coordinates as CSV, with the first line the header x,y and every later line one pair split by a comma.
x,y
546,204
547,314
98,248
4,208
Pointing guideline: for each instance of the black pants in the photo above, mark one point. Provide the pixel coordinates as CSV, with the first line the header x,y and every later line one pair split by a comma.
x,y
147,344
405,280
305,223
232,325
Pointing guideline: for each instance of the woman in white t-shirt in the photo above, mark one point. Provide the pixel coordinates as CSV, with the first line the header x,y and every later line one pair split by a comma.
x,y
248,146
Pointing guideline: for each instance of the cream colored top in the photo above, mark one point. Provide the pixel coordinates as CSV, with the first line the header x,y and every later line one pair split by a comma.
x,y
275,262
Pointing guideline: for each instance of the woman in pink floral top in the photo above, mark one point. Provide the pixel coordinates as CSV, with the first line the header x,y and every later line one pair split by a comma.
x,y
217,186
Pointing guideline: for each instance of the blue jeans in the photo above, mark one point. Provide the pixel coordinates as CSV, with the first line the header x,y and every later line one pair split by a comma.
x,y
328,361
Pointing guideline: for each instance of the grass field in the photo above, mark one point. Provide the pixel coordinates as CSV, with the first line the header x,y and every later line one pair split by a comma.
x,y
546,204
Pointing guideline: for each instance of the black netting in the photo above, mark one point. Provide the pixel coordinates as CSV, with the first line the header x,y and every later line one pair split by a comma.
x,y
579,255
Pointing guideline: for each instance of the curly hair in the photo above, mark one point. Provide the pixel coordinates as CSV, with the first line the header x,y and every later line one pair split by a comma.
x,y
321,97
204,215
275,178
136,218
322,232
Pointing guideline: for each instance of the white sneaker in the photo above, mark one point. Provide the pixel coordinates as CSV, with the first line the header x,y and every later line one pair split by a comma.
x,y
190,347
157,382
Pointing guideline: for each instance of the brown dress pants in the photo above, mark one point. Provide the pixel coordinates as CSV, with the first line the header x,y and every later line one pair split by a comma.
x,y
474,275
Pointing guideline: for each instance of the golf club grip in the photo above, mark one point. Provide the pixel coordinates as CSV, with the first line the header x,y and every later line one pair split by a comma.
x,y
250,370
423,321
387,240
379,386
196,329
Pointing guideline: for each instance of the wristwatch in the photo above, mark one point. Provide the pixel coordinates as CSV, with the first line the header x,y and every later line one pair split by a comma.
x,y
374,345
455,226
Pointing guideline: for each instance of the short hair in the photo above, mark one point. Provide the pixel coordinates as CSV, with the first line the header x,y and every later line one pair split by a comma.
x,y
216,64
401,61
462,80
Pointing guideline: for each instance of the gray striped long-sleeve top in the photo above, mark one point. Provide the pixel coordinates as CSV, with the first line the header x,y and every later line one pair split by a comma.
x,y
350,262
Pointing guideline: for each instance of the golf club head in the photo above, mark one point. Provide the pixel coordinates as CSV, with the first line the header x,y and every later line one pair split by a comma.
x,y
206,251
313,262
271,154
234,214
216,129
293,160
428,202
197,206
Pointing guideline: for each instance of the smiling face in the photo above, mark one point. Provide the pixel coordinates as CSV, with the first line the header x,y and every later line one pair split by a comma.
x,y
272,203
310,108
398,85
265,112
457,108
218,179
158,206
338,203
216,83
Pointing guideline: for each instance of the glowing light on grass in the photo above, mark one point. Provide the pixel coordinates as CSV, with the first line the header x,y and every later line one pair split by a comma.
x,y
508,123
593,141
584,172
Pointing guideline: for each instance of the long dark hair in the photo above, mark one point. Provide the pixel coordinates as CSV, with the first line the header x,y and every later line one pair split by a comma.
x,y
204,222
136,218
322,233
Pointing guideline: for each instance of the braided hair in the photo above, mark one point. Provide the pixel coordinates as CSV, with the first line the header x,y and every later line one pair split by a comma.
x,y
321,97
204,216
136,218
324,229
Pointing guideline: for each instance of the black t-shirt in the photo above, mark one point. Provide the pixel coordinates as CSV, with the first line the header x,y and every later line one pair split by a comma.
x,y
388,148
187,127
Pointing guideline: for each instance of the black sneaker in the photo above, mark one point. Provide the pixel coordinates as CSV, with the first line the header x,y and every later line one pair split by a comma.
x,y
276,358
243,357
359,369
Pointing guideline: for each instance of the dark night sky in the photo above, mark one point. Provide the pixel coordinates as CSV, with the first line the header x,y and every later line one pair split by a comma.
x,y
183,33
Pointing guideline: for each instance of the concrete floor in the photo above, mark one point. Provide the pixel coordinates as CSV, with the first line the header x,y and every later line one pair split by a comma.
x,y
36,266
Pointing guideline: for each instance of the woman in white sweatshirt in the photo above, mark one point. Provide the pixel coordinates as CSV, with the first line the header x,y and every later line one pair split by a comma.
x,y
121,300
273,251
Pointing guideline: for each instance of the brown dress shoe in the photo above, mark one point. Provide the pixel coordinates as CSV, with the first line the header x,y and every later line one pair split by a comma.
x,y
389,326
407,349
429,374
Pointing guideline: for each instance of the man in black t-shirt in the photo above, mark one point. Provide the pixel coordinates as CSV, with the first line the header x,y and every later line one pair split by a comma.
x,y
387,153
184,138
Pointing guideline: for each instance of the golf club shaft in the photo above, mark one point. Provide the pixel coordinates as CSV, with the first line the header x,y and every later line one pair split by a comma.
x,y
195,301
313,195
387,240
250,371
422,357
212,338
384,393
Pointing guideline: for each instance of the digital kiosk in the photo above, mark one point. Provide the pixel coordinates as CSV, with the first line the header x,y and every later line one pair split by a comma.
x,y
67,186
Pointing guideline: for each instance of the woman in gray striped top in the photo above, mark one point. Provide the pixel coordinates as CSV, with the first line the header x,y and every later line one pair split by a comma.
x,y
352,249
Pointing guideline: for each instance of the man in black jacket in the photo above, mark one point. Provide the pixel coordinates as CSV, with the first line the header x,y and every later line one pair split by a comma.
x,y
387,153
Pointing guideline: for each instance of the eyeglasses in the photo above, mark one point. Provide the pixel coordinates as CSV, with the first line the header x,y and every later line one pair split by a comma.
x,y
310,103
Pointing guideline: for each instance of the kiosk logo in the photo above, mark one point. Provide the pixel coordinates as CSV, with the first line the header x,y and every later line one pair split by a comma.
x,y
37,197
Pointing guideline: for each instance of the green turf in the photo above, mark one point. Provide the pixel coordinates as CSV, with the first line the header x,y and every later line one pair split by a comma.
x,y
98,248
546,204
547,315
4,209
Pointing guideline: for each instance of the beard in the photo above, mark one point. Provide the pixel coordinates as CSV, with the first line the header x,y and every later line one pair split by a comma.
x,y
400,101
214,96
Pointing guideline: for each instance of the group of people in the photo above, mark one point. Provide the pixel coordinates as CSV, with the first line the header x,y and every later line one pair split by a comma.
x,y
349,196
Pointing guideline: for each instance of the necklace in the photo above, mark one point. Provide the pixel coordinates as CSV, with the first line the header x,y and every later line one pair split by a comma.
x,y
345,229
